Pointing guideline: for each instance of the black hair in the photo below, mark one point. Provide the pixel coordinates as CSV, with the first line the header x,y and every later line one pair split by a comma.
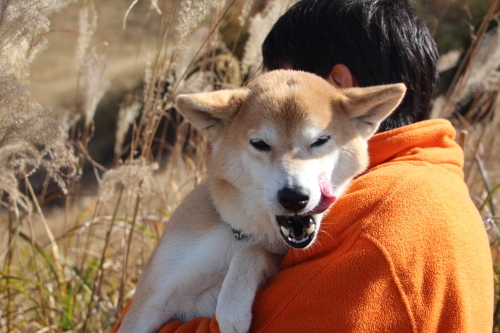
x,y
380,41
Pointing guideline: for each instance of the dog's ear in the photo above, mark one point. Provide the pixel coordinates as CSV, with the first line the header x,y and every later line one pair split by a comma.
x,y
213,111
367,107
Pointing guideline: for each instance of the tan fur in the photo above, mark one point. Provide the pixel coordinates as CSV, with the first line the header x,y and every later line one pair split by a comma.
x,y
313,131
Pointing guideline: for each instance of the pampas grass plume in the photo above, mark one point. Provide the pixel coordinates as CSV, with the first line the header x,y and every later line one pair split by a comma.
x,y
87,25
93,84
126,116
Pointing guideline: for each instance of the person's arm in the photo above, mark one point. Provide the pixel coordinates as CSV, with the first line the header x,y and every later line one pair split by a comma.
x,y
349,291
197,325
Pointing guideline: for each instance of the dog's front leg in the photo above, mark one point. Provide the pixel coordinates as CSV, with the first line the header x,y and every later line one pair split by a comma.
x,y
249,269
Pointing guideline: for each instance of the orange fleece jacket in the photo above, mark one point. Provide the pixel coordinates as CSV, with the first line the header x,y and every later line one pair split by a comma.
x,y
404,250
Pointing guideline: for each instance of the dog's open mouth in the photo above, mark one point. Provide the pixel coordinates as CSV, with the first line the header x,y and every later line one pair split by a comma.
x,y
297,230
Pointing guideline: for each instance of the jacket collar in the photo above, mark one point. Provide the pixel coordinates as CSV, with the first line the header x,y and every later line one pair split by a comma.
x,y
424,141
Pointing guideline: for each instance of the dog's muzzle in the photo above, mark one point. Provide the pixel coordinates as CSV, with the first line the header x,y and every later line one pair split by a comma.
x,y
299,230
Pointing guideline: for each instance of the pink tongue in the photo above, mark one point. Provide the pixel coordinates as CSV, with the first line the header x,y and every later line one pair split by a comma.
x,y
327,196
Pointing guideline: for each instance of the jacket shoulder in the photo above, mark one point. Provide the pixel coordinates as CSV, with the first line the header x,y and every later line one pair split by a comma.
x,y
426,225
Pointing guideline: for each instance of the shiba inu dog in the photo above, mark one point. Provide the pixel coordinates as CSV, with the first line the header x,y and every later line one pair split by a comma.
x,y
282,150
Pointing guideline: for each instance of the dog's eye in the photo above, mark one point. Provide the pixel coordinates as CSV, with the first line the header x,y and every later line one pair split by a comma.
x,y
260,145
321,141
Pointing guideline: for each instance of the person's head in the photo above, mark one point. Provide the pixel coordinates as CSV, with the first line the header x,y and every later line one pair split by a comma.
x,y
372,42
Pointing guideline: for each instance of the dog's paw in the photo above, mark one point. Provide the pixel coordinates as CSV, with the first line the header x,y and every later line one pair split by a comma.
x,y
233,321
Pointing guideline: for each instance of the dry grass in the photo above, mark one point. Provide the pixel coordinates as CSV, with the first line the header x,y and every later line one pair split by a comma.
x,y
71,253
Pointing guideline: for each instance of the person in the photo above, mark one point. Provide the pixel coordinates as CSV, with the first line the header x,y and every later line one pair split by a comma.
x,y
404,249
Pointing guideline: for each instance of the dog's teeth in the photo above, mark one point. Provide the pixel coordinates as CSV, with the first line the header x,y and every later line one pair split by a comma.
x,y
310,230
285,231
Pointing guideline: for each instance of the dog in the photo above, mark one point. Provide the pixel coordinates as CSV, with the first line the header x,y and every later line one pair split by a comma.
x,y
282,150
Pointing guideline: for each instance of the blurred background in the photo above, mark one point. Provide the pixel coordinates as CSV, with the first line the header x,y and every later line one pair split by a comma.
x,y
53,80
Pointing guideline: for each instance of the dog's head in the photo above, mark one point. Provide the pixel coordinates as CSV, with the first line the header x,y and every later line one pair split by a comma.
x,y
285,147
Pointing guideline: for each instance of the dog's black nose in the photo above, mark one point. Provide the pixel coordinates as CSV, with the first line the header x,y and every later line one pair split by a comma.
x,y
293,199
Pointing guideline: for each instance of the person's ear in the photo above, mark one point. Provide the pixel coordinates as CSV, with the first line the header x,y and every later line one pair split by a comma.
x,y
341,77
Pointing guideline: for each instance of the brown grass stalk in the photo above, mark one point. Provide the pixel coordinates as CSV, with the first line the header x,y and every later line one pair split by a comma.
x,y
462,138
479,142
212,31
154,100
43,306
441,17
124,277
9,307
151,116
459,80
99,277
486,182
53,244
